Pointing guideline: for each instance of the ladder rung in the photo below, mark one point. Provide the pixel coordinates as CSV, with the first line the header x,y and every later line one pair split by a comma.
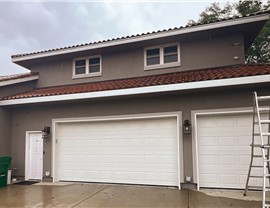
x,y
262,98
257,155
256,176
266,146
263,134
267,189
257,166
266,205
263,122
263,109
255,187
259,188
255,145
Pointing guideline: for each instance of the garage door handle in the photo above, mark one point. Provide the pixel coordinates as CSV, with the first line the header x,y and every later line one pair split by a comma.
x,y
3,175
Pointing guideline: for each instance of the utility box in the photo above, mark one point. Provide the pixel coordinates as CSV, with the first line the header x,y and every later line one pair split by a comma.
x,y
5,163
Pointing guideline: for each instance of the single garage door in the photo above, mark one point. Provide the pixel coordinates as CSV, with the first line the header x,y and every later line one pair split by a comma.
x,y
138,151
224,151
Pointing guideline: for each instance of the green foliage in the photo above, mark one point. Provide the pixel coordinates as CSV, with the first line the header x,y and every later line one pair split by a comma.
x,y
214,12
248,7
259,51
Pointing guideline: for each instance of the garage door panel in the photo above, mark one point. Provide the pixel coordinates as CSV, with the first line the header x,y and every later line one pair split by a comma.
x,y
142,151
224,151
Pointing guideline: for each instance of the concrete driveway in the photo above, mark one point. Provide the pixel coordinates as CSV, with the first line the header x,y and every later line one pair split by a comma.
x,y
104,195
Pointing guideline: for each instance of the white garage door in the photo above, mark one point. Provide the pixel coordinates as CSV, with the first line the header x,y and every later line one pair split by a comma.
x,y
140,151
224,151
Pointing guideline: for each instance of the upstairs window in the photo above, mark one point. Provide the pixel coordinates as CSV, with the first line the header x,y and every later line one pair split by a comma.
x,y
87,67
162,56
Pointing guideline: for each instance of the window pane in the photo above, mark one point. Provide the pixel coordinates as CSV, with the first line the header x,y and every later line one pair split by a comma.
x,y
80,70
170,49
93,69
153,61
170,58
80,63
94,61
153,52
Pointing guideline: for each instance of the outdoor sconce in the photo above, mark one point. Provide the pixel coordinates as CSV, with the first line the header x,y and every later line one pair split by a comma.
x,y
187,127
45,132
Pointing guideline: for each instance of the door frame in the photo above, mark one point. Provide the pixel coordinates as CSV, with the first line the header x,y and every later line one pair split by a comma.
x,y
175,114
27,154
194,119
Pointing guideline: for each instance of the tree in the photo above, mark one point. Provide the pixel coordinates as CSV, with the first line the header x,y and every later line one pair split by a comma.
x,y
259,51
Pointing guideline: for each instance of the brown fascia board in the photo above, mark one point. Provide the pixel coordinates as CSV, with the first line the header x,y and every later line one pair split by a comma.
x,y
249,25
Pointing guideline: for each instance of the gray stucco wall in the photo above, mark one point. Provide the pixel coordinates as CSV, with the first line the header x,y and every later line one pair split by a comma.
x,y
5,114
35,117
209,51
16,88
5,131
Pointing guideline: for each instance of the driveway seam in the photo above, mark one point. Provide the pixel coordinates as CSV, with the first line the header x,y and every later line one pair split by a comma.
x,y
90,196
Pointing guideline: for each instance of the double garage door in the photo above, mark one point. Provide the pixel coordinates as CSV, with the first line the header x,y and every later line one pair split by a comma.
x,y
224,151
135,151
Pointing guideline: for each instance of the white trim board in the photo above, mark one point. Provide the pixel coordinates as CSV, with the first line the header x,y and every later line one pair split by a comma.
x,y
194,117
185,30
19,80
177,115
142,90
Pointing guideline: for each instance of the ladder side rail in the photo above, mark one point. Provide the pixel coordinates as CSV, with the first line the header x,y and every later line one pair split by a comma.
x,y
262,150
252,146
259,122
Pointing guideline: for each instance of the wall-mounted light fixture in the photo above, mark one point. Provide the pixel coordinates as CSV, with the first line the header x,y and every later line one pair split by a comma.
x,y
45,132
187,127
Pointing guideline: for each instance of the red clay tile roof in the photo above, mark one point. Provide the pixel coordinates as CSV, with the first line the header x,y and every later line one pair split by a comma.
x,y
143,34
16,76
164,79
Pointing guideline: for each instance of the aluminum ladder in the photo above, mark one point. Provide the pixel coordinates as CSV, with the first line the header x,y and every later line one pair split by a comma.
x,y
263,143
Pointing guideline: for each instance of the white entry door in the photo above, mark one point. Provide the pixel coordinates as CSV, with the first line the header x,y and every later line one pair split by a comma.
x,y
35,156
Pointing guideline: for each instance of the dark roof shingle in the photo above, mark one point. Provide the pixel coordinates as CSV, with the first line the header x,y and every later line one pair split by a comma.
x,y
154,80
16,76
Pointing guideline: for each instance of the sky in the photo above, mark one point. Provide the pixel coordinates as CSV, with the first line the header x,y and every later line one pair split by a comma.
x,y
34,26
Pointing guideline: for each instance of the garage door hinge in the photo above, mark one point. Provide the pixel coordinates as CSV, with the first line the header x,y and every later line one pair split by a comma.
x,y
56,141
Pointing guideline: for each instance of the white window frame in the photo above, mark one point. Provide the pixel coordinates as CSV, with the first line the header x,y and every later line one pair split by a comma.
x,y
87,73
161,57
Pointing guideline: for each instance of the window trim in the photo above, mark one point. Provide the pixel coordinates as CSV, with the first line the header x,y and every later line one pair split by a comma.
x,y
161,58
87,73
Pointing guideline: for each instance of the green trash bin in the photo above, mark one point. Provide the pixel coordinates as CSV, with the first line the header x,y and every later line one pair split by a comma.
x,y
5,163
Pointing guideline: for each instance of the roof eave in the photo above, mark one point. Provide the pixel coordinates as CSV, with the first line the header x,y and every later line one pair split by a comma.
x,y
192,29
19,80
258,79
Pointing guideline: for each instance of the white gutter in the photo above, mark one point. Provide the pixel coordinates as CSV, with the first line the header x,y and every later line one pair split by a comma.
x,y
19,80
142,90
191,29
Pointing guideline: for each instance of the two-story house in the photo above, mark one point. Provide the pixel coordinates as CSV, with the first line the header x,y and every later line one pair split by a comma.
x,y
166,108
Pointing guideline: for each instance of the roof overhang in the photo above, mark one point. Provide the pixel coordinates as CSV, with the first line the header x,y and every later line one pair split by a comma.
x,y
142,90
19,80
122,41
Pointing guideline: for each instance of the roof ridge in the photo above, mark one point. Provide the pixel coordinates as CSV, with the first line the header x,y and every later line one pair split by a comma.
x,y
141,34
